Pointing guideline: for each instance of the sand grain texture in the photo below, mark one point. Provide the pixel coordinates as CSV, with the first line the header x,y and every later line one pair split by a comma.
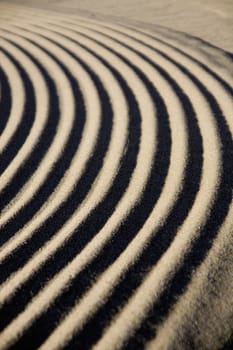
x,y
116,162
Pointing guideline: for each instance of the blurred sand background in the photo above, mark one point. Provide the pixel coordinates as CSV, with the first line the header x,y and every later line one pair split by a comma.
x,y
210,20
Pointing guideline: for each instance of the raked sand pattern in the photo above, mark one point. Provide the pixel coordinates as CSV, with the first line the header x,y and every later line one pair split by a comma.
x,y
116,175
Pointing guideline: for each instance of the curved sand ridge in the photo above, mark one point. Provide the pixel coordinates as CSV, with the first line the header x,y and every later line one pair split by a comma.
x,y
116,187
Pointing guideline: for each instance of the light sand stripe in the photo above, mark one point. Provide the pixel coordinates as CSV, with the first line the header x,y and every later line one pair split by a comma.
x,y
178,129
170,37
136,306
142,34
111,164
154,40
218,62
63,130
209,297
18,100
138,180
41,114
195,48
223,97
148,132
116,327
172,186
226,104
197,216
78,164
201,52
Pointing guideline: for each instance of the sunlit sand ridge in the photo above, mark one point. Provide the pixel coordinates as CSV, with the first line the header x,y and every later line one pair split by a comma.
x,y
116,187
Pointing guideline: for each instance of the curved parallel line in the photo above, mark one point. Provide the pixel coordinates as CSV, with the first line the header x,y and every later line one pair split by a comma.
x,y
46,137
78,162
148,132
69,325
228,116
134,113
112,160
224,98
116,327
151,120
41,114
167,36
61,137
163,34
169,47
18,100
224,70
171,50
159,32
218,264
171,42
162,208
126,29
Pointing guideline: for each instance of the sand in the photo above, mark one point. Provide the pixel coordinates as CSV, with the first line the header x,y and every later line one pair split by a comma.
x,y
211,20
115,186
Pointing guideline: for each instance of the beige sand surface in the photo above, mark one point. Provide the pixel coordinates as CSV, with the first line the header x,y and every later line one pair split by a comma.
x,y
72,40
211,20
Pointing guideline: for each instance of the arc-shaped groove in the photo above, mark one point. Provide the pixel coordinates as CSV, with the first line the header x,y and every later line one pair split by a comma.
x,y
119,130
200,56
17,94
29,165
86,147
149,224
77,310
164,78
40,116
63,132
147,101
197,293
183,55
140,309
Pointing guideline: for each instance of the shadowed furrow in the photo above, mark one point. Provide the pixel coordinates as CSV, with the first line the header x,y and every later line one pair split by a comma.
x,y
115,187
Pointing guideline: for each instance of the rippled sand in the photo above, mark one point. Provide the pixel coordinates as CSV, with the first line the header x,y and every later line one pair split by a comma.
x,y
115,177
